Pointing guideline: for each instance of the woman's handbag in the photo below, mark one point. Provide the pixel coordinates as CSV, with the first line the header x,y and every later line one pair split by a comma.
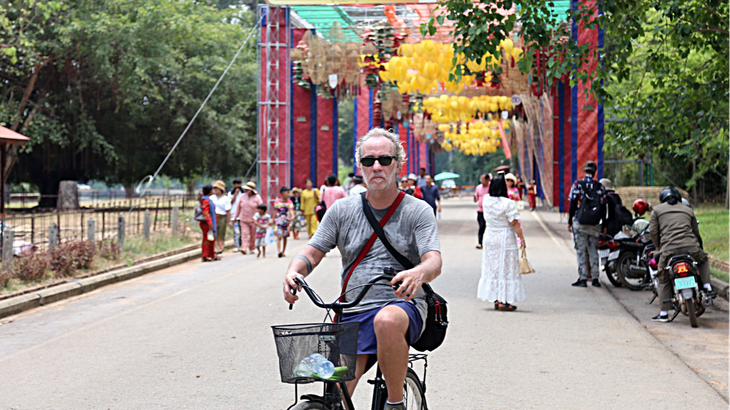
x,y
434,329
525,266
520,205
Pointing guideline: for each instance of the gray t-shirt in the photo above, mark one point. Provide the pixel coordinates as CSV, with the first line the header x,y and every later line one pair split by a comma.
x,y
412,231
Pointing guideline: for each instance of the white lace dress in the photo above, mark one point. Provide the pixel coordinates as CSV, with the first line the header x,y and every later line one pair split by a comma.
x,y
500,261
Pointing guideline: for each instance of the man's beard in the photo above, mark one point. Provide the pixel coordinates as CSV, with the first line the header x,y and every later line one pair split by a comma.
x,y
389,183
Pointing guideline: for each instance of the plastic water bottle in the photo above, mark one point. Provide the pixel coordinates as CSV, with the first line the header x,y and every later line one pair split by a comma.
x,y
315,363
323,367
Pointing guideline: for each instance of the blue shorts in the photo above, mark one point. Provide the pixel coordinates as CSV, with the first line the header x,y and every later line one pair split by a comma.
x,y
366,341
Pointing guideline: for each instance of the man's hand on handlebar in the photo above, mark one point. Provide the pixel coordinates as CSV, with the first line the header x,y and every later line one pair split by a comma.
x,y
410,281
289,284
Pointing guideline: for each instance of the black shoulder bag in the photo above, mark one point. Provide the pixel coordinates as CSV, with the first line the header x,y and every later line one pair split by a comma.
x,y
321,207
436,323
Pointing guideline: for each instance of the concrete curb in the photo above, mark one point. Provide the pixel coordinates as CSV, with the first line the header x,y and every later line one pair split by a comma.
x,y
21,303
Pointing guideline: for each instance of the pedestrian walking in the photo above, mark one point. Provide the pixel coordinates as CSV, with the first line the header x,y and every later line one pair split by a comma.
x,y
244,213
284,209
296,223
480,192
421,181
222,214
587,207
358,187
310,198
332,192
209,225
235,196
532,194
432,195
411,187
262,220
501,281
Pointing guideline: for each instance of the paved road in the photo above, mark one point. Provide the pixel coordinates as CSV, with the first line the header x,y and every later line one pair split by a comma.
x,y
198,336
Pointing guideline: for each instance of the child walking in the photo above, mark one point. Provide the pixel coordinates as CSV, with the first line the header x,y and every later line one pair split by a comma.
x,y
262,220
284,214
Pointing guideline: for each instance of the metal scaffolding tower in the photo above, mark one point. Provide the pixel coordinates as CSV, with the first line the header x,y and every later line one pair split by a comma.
x,y
273,102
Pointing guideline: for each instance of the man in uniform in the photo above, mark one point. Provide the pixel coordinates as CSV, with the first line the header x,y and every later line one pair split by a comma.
x,y
585,235
674,231
389,321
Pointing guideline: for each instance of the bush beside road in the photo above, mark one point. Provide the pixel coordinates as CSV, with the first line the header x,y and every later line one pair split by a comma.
x,y
714,230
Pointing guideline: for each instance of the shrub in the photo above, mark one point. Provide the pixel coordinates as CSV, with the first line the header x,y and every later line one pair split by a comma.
x,y
28,267
68,257
109,250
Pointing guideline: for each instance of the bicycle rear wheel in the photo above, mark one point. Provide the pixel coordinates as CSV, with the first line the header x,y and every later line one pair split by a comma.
x,y
413,396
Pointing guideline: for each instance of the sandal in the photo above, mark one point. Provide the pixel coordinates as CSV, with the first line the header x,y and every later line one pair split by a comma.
x,y
496,305
506,307
479,246
206,259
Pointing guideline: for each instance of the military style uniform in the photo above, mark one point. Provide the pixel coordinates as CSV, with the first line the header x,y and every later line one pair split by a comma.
x,y
674,231
585,237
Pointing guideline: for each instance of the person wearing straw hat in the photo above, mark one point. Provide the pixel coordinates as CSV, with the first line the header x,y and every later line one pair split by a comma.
x,y
244,213
222,214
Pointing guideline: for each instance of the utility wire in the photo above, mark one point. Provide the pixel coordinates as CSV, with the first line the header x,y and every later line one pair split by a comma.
x,y
210,94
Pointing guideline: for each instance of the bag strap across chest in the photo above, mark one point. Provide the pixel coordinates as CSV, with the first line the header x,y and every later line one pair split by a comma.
x,y
372,239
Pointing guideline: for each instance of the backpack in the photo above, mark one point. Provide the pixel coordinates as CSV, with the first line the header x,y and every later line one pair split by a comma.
x,y
619,215
589,211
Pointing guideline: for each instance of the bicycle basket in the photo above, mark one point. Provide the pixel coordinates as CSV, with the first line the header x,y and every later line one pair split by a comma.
x,y
335,341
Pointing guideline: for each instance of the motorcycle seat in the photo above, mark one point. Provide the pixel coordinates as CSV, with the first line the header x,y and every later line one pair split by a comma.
x,y
680,258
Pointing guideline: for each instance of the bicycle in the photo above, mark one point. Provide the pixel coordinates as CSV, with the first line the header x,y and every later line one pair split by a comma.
x,y
338,343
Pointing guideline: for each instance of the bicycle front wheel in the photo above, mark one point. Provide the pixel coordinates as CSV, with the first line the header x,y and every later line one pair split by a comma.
x,y
308,405
413,396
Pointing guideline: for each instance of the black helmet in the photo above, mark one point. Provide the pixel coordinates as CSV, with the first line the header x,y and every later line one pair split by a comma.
x,y
590,167
670,194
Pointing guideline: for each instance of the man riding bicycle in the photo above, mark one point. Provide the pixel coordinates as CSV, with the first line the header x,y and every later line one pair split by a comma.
x,y
390,320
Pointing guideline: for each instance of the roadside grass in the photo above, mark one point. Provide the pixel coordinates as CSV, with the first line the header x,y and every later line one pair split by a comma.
x,y
135,248
714,224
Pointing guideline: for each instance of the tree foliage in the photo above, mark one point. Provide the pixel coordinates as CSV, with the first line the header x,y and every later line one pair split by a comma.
x,y
663,72
112,85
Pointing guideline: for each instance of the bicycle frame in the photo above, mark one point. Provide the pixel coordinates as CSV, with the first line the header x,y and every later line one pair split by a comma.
x,y
335,393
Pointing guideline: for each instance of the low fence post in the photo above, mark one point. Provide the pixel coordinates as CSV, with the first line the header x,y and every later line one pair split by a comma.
x,y
120,232
175,215
147,223
52,236
92,230
8,237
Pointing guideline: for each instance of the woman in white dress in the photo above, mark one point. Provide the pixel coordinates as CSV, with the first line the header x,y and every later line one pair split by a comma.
x,y
501,281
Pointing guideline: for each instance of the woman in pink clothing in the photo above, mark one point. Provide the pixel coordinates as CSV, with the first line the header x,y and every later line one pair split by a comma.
x,y
247,208
332,192
481,190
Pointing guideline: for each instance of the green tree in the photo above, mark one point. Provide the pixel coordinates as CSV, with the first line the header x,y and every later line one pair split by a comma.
x,y
127,78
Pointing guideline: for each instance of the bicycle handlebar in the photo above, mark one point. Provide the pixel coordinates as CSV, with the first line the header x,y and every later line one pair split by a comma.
x,y
337,305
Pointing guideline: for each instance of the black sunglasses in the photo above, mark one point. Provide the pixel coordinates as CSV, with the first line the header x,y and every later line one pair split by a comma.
x,y
370,161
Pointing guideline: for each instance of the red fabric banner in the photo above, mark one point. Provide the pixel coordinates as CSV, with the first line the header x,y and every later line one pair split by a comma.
x,y
324,139
403,134
301,113
363,110
587,104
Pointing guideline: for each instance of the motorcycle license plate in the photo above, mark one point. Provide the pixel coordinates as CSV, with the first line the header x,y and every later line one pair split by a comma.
x,y
603,253
685,283
613,255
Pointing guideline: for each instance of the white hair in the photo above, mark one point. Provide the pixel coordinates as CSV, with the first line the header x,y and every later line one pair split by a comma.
x,y
398,152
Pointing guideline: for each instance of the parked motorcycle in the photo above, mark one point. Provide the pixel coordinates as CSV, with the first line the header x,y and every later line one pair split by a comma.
x,y
608,251
690,297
